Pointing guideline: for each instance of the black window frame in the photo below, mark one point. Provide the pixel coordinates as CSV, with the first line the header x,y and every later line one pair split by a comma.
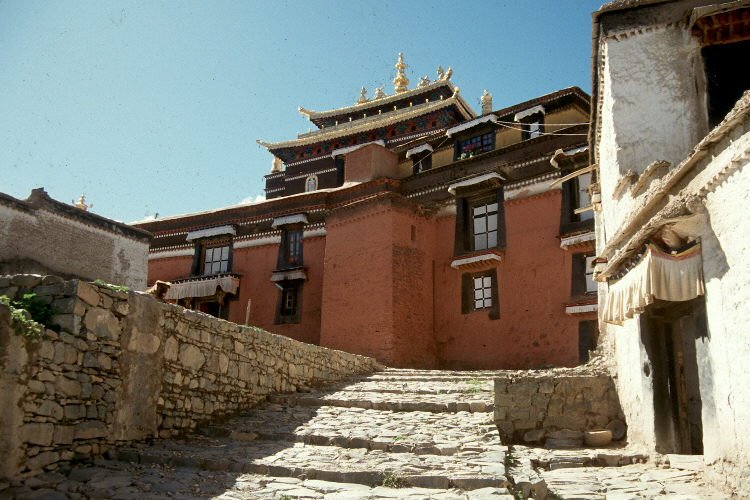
x,y
287,313
202,248
526,123
291,248
485,141
421,162
469,298
580,271
465,236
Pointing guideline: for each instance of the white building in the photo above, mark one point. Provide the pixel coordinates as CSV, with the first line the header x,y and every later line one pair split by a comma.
x,y
671,142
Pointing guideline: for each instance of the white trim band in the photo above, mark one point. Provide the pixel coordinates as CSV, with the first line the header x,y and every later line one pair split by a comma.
x,y
588,308
528,112
577,239
289,219
211,231
419,149
471,124
474,180
487,257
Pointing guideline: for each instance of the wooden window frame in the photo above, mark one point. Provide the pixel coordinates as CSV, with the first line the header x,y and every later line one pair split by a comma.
x,y
476,144
199,263
291,248
421,163
530,121
469,291
465,241
287,313
582,268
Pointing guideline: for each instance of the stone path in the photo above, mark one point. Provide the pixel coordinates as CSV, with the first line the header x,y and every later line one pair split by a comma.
x,y
394,434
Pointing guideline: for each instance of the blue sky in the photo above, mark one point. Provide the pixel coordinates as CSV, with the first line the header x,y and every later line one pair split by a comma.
x,y
153,106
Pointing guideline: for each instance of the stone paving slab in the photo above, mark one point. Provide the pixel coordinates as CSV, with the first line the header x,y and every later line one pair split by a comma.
x,y
629,481
466,470
436,403
418,432
410,386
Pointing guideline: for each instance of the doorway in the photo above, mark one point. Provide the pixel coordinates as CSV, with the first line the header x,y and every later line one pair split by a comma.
x,y
669,333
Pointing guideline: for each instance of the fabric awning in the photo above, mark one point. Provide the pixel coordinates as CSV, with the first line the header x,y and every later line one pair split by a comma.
x,y
659,275
203,287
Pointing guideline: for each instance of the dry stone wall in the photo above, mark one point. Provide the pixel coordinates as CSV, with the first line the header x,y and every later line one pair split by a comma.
x,y
125,367
555,407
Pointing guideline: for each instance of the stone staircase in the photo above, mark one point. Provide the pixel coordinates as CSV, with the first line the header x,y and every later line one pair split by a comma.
x,y
396,433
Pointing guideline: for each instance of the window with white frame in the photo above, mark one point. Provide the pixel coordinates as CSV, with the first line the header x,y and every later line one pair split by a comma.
x,y
216,260
583,182
482,292
484,225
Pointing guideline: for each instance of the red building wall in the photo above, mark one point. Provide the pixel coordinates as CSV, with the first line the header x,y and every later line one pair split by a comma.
x,y
533,285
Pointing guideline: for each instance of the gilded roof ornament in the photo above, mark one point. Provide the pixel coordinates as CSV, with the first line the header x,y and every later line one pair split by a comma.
x,y
440,73
305,112
401,83
362,96
81,203
276,165
423,82
379,94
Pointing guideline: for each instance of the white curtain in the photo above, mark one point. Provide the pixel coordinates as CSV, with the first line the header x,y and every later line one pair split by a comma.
x,y
659,275
202,287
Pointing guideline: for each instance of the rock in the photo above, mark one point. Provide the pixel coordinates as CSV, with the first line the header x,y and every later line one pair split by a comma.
x,y
90,430
38,434
26,280
597,438
191,357
103,324
87,293
43,459
534,436
51,280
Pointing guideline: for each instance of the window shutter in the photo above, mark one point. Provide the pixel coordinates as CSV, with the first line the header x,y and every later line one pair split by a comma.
x,y
578,278
501,218
495,310
467,293
462,226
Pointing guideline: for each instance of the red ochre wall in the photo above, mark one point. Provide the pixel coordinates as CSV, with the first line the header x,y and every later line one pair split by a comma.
x,y
377,288
255,264
533,285
170,268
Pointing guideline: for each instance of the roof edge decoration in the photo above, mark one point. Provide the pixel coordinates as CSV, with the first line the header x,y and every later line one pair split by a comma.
x,y
211,231
474,180
471,124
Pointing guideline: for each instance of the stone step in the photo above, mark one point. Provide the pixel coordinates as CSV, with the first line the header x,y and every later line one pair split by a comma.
x,y
474,403
436,388
418,432
464,471
427,378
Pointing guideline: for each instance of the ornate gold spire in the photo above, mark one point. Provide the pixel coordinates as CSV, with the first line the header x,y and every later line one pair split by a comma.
x,y
81,203
401,83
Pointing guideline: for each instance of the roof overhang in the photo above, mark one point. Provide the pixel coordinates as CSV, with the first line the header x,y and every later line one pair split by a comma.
x,y
211,231
471,124
289,219
492,177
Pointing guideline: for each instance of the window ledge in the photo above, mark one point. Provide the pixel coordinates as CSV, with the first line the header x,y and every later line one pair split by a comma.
x,y
586,305
487,258
289,274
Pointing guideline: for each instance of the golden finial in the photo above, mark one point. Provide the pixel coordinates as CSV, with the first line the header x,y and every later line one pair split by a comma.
x,y
276,165
362,96
379,94
401,83
81,203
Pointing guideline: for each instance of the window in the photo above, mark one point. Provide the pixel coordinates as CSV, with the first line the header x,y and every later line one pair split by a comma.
x,y
582,183
480,293
583,275
485,226
216,260
532,126
311,184
288,310
466,148
725,83
480,222
422,162
292,250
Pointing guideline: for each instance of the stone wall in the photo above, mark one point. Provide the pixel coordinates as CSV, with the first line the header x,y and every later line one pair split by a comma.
x,y
555,407
42,235
126,367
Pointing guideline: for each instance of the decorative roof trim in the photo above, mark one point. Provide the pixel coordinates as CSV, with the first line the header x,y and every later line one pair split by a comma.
x,y
350,149
419,149
183,252
476,259
211,231
582,309
289,219
384,120
569,241
474,180
528,112
471,124
572,175
294,274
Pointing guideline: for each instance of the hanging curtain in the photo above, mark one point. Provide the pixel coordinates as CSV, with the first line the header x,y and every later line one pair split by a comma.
x,y
659,275
203,287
